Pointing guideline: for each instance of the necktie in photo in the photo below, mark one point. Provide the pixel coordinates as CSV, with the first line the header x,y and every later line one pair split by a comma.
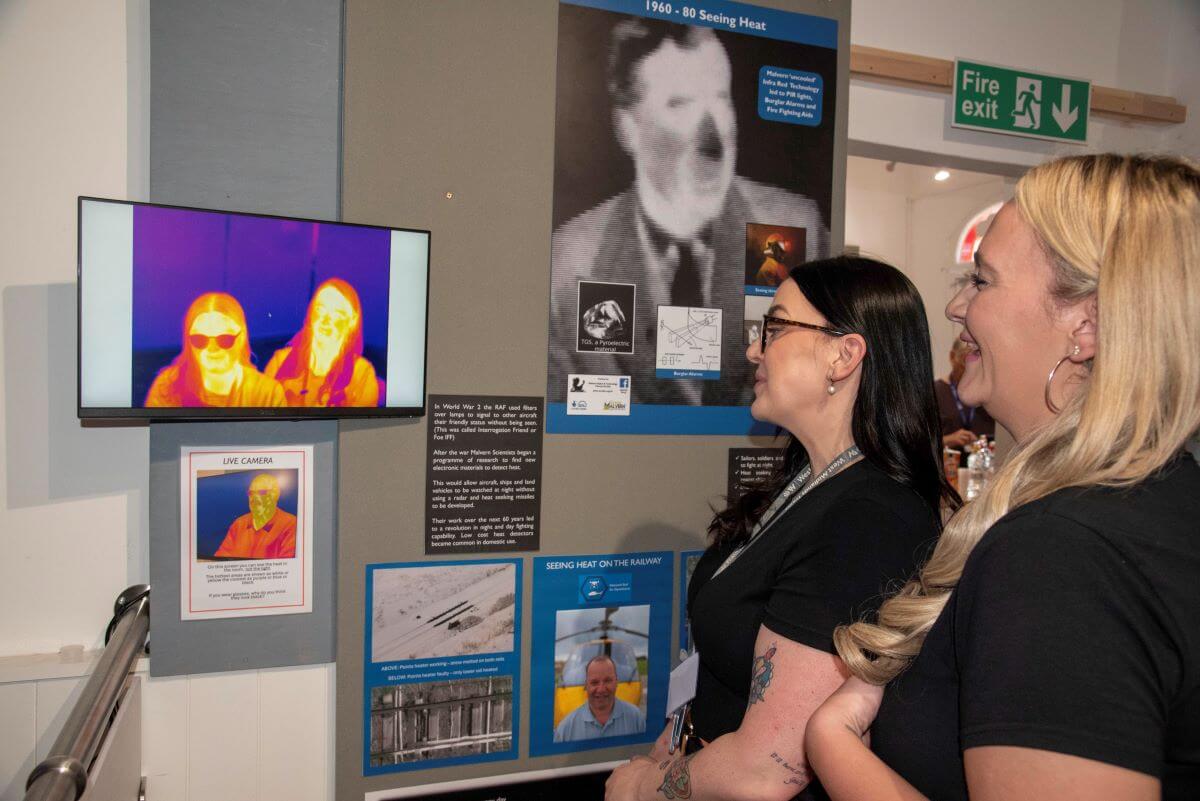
x,y
685,287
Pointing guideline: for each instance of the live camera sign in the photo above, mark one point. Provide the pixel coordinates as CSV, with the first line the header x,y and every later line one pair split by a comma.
x,y
1020,103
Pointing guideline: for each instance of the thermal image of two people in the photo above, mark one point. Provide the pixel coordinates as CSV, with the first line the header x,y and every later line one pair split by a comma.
x,y
322,365
266,531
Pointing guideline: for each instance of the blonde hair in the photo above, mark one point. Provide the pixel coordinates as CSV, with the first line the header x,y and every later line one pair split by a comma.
x,y
1126,228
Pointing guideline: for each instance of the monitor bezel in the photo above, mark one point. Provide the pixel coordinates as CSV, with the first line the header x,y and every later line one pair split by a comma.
x,y
100,413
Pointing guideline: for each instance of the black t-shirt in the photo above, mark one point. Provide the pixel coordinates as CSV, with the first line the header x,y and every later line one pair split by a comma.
x,y
1075,628
827,561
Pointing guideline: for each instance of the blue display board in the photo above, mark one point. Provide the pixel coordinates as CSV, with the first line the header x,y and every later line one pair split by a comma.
x,y
441,665
587,608
673,224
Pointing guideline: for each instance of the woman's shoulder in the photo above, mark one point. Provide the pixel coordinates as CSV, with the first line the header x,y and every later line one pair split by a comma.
x,y
864,484
162,387
1162,510
276,361
863,508
1140,537
363,369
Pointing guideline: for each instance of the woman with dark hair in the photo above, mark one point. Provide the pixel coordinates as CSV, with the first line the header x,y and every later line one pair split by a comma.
x,y
323,364
213,367
844,369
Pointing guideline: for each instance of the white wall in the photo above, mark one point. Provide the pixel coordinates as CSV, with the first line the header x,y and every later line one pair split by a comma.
x,y
73,500
877,212
1139,45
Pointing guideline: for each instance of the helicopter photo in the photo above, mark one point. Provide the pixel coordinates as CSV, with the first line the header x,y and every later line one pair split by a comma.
x,y
617,632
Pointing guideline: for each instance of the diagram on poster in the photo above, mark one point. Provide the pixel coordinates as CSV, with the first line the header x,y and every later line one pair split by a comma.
x,y
601,650
689,343
245,531
442,665
693,166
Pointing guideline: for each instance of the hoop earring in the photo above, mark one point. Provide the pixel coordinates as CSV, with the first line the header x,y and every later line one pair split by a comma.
x,y
1050,379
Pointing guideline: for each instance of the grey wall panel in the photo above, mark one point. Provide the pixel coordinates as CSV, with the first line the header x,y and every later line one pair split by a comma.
x,y
458,96
206,646
244,105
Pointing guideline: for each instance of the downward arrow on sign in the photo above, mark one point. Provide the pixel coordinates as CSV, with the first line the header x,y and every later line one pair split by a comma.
x,y
1062,116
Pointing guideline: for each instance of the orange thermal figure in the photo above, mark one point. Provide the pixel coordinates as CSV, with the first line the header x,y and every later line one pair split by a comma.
x,y
213,368
323,365
773,271
266,531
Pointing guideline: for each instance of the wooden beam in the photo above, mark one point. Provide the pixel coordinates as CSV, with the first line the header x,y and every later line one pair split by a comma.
x,y
922,71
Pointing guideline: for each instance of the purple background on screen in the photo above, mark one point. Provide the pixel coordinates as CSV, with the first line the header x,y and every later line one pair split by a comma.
x,y
271,266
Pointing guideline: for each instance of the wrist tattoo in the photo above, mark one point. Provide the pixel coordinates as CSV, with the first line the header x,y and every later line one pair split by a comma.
x,y
677,781
800,776
761,673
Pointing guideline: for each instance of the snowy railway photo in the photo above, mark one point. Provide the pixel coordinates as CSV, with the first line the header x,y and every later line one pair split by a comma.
x,y
442,610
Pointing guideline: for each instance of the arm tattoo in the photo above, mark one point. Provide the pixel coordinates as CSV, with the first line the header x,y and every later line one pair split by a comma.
x,y
800,776
760,675
677,781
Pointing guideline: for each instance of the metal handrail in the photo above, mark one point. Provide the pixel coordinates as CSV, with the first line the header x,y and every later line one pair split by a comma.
x,y
63,775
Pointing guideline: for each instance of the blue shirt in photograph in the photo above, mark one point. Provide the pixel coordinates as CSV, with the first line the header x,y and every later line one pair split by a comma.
x,y
582,724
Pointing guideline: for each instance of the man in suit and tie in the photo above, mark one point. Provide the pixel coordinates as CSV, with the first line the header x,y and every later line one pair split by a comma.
x,y
679,232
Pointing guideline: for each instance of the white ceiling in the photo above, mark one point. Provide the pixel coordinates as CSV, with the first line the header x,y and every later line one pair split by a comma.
x,y
911,180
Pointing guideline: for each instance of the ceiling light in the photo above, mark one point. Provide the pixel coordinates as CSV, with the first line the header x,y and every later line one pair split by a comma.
x,y
941,175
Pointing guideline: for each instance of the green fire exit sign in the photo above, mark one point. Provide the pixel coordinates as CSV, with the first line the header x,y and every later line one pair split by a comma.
x,y
1019,102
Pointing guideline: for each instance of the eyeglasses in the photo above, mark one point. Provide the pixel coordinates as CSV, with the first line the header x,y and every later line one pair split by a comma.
x,y
200,341
262,493
772,327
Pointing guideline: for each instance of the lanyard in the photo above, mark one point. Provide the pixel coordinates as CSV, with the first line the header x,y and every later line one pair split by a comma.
x,y
965,413
796,489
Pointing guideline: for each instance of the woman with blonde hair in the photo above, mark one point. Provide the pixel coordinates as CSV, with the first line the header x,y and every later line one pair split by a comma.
x,y
1050,648
323,364
213,367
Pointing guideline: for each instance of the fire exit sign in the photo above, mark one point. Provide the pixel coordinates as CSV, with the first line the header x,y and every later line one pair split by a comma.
x,y
1021,103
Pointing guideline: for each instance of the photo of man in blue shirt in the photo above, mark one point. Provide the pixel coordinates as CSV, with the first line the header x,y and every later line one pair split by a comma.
x,y
604,715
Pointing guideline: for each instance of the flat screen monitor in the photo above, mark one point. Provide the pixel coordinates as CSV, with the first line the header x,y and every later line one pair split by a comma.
x,y
201,314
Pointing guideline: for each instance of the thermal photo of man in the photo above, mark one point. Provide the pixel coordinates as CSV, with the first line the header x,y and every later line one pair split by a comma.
x,y
213,368
323,364
266,531
604,714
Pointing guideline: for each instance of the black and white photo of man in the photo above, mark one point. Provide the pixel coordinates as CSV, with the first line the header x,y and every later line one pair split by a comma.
x,y
677,100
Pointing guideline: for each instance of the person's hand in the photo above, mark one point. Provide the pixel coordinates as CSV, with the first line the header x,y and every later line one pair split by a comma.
x,y
853,706
659,751
959,439
622,784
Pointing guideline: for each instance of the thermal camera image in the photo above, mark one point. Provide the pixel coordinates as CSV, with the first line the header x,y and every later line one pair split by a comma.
x,y
246,514
257,312
323,364
213,368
